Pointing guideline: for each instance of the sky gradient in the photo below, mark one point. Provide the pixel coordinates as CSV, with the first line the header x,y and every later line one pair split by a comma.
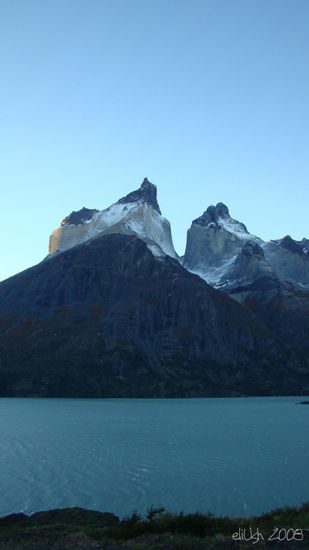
x,y
208,99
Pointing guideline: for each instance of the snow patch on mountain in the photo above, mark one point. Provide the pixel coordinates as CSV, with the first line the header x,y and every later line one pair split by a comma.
x,y
213,275
235,228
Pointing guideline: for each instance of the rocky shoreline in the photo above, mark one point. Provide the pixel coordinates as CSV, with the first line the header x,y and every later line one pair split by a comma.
x,y
78,528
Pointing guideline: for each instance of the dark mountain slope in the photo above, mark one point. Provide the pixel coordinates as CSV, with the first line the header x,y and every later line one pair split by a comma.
x,y
107,318
281,304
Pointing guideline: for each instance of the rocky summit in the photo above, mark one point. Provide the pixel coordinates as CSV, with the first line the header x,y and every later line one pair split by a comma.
x,y
146,193
137,213
112,312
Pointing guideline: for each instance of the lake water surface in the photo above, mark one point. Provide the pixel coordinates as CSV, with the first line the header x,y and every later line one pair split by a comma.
x,y
228,456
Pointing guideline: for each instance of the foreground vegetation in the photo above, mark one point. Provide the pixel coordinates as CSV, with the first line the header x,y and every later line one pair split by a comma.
x,y
76,528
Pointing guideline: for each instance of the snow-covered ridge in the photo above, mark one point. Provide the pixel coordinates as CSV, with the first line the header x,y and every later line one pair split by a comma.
x,y
218,216
213,275
138,218
213,243
218,246
236,228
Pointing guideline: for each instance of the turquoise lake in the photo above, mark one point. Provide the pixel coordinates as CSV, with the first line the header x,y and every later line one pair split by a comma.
x,y
233,456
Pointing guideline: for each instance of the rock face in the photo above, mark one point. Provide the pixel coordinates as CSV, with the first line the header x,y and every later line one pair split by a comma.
x,y
280,302
289,259
215,215
298,247
136,214
271,279
213,241
81,217
108,318
217,246
247,266
146,193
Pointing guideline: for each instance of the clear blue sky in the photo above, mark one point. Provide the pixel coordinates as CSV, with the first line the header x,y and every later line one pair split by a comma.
x,y
207,98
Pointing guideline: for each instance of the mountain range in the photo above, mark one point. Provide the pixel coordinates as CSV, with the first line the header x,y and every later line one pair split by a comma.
x,y
113,311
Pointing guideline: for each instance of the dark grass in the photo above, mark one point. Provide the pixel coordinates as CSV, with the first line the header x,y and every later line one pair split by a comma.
x,y
159,529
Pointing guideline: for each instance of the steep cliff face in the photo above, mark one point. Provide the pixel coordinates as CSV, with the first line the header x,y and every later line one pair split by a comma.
x,y
213,241
271,279
247,266
108,318
289,259
217,251
136,214
279,301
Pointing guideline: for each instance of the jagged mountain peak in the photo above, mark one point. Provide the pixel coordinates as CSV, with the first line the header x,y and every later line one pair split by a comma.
x,y
297,247
212,214
146,193
219,216
213,242
137,213
146,182
222,210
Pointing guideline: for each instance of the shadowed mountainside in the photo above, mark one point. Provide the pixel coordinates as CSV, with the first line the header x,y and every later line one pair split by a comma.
x,y
108,319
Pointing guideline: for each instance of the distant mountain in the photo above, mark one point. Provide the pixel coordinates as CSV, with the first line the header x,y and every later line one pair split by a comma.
x,y
112,312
